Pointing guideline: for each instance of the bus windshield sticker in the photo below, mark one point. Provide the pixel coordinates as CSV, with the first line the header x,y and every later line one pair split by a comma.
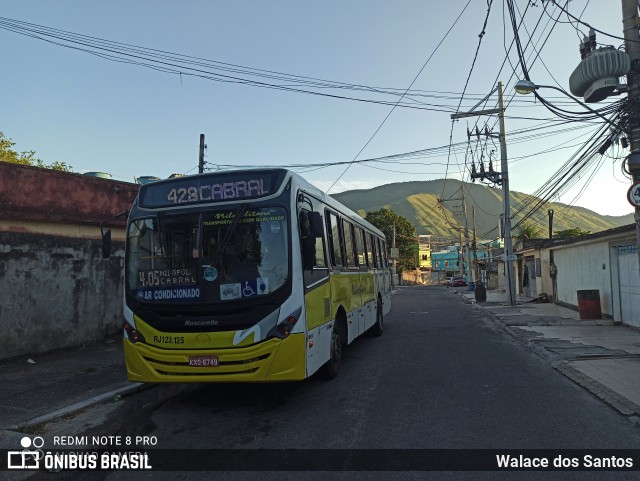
x,y
230,291
178,294
262,285
210,188
209,273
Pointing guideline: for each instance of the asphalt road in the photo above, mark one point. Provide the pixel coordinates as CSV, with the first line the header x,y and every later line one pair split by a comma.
x,y
440,377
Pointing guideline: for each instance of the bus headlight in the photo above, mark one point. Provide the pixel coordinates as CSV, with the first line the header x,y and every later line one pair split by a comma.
x,y
284,328
133,335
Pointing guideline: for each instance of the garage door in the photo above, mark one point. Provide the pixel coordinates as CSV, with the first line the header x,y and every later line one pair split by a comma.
x,y
629,277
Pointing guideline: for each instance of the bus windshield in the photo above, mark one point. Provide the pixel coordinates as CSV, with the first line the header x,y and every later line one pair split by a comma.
x,y
217,256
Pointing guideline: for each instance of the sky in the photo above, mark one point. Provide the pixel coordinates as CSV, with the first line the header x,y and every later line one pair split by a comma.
x,y
125,119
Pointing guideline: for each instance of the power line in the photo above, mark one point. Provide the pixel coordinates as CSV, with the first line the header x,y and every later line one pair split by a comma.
x,y
405,92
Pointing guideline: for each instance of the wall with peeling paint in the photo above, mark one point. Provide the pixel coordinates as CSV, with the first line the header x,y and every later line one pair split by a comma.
x,y
57,291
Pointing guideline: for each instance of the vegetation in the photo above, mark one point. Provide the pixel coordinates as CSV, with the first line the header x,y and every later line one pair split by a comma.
x,y
7,154
569,233
418,202
405,234
527,231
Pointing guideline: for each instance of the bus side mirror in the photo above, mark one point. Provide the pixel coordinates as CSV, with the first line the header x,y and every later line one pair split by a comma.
x,y
106,244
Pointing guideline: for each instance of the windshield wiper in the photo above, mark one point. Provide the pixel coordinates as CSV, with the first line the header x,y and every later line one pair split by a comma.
x,y
227,235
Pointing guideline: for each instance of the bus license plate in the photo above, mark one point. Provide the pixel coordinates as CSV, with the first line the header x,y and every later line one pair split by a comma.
x,y
204,361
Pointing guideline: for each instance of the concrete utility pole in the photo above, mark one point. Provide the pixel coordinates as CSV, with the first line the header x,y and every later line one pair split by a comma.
x,y
631,25
201,156
474,245
470,270
461,257
508,245
509,257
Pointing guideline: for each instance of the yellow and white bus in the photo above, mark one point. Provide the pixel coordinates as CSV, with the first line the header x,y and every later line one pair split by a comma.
x,y
247,275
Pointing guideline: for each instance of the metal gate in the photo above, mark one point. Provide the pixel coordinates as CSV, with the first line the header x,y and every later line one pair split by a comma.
x,y
629,281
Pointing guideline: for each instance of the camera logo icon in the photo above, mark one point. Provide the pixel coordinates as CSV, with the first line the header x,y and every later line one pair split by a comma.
x,y
29,457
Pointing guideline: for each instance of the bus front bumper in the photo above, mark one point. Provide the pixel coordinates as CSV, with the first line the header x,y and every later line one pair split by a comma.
x,y
271,360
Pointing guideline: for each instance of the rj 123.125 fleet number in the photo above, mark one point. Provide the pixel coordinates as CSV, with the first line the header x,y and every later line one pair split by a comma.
x,y
168,339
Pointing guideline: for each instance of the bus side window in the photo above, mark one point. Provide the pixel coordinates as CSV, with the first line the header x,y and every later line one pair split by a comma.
x,y
384,253
318,271
333,233
372,253
319,257
380,258
361,251
347,229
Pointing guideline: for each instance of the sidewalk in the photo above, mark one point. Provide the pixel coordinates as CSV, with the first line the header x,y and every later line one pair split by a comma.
x,y
600,356
38,388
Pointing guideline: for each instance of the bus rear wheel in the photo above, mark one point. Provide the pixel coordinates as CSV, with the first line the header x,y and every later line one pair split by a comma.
x,y
332,367
378,327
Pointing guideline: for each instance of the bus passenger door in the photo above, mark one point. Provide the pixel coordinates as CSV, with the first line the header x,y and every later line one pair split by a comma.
x,y
317,290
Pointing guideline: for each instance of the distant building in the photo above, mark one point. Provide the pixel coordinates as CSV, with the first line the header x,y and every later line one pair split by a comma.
x,y
424,252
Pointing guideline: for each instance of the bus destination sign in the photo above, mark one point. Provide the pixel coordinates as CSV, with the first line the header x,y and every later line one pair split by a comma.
x,y
210,188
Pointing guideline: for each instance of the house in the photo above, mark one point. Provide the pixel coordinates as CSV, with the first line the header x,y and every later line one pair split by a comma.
x,y
424,252
606,262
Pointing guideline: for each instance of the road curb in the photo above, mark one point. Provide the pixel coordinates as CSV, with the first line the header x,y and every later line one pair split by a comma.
x,y
601,391
73,408
615,400
528,344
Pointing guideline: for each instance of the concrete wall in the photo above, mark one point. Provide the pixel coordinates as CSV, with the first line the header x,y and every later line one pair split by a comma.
x,y
57,291
581,267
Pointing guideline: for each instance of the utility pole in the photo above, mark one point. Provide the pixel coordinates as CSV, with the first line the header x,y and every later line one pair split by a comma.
x,y
470,270
508,244
503,179
474,246
461,257
201,156
630,24
394,268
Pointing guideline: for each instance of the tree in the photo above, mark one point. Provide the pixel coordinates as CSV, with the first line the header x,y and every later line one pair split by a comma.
x,y
406,238
7,154
528,231
568,233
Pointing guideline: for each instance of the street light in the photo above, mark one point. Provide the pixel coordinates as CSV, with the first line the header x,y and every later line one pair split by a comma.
x,y
525,87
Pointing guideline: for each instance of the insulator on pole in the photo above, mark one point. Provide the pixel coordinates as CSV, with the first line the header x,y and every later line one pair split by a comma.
x,y
587,46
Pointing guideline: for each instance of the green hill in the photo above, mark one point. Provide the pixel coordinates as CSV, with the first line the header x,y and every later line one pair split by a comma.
x,y
418,202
